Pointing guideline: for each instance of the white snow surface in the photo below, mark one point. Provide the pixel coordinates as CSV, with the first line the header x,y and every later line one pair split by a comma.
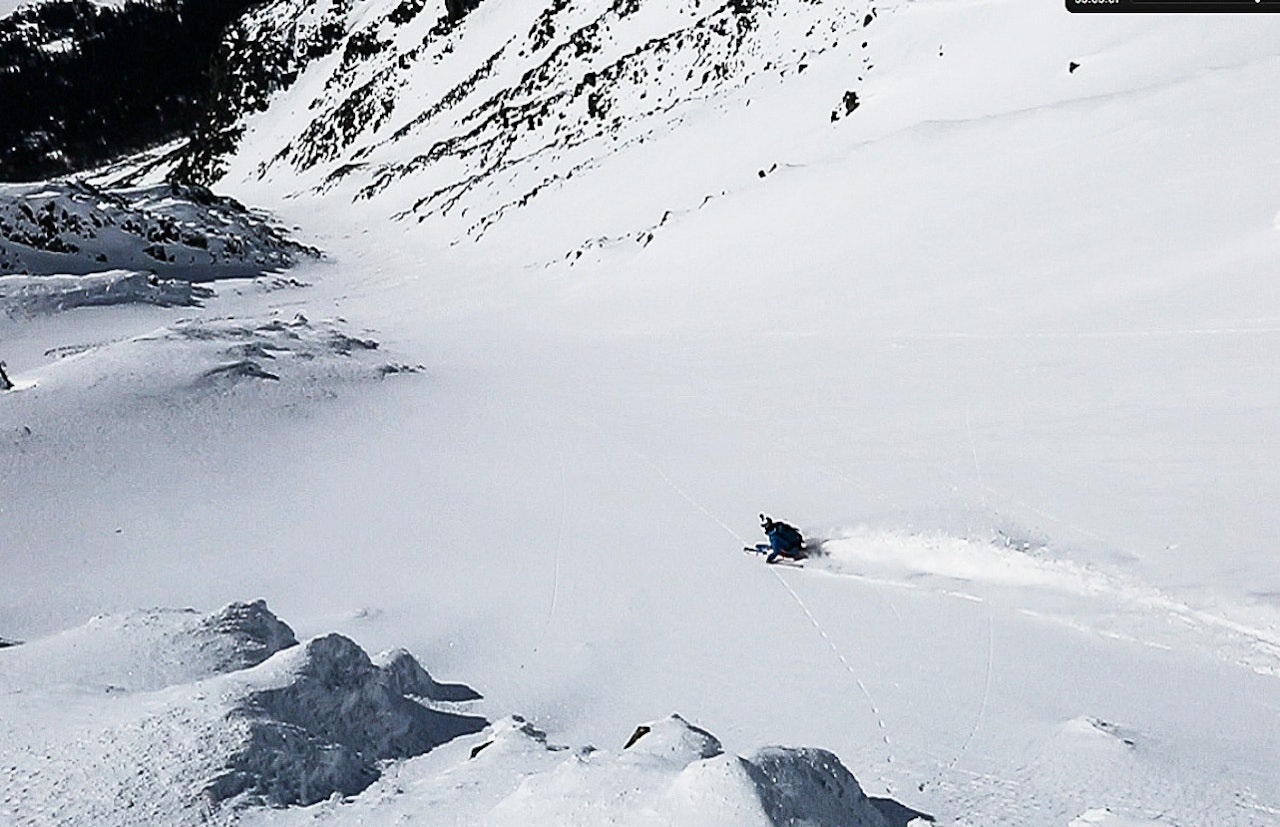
x,y
30,295
1003,339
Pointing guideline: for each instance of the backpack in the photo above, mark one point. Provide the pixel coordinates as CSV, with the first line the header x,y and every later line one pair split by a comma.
x,y
788,536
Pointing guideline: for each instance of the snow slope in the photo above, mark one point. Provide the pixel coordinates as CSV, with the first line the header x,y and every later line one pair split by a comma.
x,y
1003,337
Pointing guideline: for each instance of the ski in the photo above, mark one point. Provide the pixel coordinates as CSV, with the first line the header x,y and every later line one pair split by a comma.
x,y
781,561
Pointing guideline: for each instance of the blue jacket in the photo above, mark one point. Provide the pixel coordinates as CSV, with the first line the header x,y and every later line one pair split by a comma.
x,y
784,538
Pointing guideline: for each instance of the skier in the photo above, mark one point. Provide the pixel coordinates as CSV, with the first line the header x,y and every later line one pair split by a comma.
x,y
784,541
5,384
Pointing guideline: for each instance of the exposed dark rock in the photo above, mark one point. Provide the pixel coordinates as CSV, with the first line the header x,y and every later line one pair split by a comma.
x,y
244,369
848,103
82,83
458,9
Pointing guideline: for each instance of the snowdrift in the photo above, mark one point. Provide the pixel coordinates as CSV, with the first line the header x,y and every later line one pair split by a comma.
x,y
170,716
204,357
143,651
669,772
165,716
34,295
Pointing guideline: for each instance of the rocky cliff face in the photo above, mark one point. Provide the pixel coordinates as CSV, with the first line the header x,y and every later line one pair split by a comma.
x,y
475,117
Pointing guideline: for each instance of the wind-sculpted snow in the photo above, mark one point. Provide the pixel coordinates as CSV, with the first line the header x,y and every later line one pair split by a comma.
x,y
147,650
212,355
668,772
33,295
168,717
182,232
325,729
475,118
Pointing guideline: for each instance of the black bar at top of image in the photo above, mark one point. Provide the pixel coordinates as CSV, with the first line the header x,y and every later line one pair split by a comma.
x,y
1173,6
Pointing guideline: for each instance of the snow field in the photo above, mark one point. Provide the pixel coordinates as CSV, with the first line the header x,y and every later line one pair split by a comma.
x,y
1000,300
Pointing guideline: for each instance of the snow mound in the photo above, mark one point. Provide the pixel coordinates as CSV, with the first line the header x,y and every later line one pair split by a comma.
x,y
673,740
669,772
33,295
675,773
224,711
141,651
325,729
182,232
258,634
1104,817
212,355
406,676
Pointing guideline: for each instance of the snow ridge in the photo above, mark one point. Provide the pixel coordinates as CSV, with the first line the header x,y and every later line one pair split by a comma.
x,y
36,295
147,650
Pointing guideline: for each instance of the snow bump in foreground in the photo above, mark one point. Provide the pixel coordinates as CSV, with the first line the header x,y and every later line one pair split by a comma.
x,y
202,355
168,716
670,772
36,295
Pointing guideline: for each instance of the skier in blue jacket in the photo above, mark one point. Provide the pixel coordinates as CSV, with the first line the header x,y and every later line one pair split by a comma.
x,y
784,540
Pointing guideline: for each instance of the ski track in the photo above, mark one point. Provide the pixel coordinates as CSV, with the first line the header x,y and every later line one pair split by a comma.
x,y
875,710
560,527
982,706
822,632
1120,595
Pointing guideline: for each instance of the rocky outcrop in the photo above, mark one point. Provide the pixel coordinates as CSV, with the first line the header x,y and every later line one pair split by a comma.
x,y
170,716
458,9
176,231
